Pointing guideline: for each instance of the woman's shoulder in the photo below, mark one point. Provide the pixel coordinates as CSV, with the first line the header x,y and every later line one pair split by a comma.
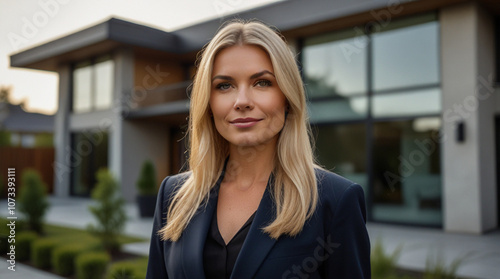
x,y
332,187
171,183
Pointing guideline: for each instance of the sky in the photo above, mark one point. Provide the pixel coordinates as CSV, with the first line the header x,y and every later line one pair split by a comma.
x,y
28,23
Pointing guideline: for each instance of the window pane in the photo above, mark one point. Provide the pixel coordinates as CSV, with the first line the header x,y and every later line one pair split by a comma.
x,y
90,153
82,88
406,57
407,173
342,149
419,102
339,109
335,65
104,72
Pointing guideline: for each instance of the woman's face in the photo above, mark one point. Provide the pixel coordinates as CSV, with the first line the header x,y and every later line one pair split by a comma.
x,y
248,106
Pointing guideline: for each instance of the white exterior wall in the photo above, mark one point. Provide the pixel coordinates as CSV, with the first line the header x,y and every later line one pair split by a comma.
x,y
469,182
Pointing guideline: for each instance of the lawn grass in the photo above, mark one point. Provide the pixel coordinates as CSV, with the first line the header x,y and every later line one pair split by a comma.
x,y
82,234
65,235
68,233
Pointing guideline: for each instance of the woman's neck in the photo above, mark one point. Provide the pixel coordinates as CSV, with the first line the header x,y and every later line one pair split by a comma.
x,y
251,165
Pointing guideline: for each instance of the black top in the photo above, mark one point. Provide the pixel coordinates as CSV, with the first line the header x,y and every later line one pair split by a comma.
x,y
219,258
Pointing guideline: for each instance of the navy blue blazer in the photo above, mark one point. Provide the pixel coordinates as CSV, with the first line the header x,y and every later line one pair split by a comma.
x,y
334,242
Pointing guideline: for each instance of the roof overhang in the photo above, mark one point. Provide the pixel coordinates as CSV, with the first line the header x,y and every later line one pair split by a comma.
x,y
98,39
294,18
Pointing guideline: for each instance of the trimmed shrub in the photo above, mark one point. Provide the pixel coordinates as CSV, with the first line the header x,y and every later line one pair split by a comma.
x,y
33,199
146,184
41,252
121,270
24,243
92,265
64,256
109,211
133,269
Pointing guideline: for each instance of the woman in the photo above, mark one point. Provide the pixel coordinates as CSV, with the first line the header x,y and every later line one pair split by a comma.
x,y
254,204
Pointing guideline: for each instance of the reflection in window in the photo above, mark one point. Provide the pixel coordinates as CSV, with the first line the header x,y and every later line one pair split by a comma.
x,y
342,149
103,84
407,173
334,65
406,57
338,109
82,88
405,84
93,85
89,154
409,103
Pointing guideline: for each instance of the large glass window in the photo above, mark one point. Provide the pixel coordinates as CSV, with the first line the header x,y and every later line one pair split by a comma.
x,y
407,172
335,76
89,153
342,149
375,101
93,85
405,54
334,66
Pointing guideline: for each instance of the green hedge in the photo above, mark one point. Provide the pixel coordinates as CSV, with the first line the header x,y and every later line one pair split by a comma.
x,y
64,256
24,243
122,271
41,252
92,265
133,269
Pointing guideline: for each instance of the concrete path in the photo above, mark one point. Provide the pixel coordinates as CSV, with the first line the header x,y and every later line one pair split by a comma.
x,y
419,244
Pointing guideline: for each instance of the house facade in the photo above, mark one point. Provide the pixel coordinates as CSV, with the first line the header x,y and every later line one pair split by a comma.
x,y
403,99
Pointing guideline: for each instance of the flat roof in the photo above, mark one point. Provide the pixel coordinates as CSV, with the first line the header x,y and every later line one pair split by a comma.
x,y
287,16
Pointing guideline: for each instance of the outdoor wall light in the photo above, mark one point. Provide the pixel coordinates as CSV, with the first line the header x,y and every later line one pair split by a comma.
x,y
460,132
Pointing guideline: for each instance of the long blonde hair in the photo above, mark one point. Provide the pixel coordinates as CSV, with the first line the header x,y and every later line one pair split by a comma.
x,y
294,191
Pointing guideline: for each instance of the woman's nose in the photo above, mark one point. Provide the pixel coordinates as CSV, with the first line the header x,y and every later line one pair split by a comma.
x,y
243,99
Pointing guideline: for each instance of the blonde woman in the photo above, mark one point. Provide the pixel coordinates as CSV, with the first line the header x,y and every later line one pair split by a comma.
x,y
254,204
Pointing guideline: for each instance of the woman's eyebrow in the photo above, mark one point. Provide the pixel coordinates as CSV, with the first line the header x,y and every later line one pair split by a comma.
x,y
259,74
222,77
256,75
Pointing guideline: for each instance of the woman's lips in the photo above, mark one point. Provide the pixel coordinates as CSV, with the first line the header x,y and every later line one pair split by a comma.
x,y
244,122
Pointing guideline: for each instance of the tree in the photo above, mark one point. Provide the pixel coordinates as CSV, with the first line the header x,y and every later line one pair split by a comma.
x,y
108,210
33,199
147,179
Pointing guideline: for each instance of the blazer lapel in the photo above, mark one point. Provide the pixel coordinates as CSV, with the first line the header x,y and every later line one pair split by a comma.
x,y
195,234
257,243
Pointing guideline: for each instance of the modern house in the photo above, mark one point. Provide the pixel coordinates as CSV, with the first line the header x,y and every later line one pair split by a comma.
x,y
403,98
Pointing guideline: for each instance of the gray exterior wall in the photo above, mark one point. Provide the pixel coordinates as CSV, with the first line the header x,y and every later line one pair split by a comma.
x,y
62,165
467,54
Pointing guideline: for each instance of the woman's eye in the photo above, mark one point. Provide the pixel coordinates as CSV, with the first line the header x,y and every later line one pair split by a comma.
x,y
263,83
223,86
